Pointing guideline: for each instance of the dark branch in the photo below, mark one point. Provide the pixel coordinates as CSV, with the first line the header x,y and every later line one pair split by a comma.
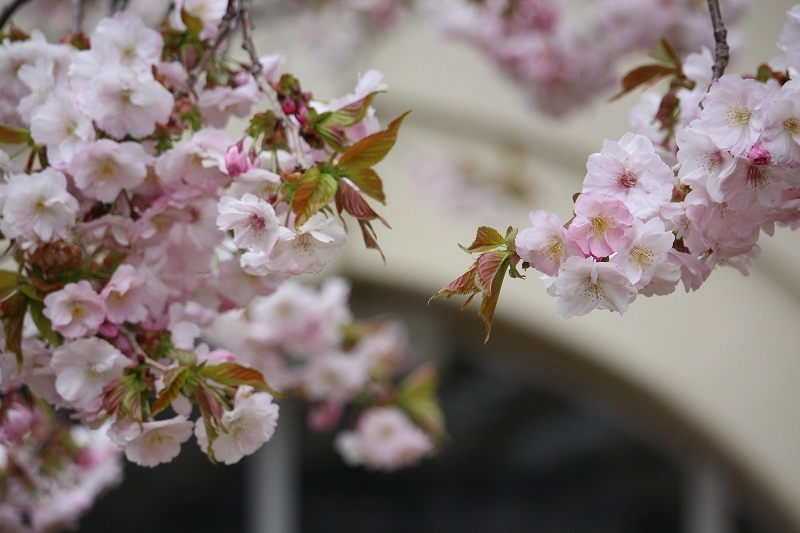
x,y
721,50
118,5
9,11
77,15
225,27
247,39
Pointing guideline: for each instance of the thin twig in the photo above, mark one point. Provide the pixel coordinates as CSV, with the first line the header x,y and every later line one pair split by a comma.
x,y
225,28
118,5
76,7
721,50
257,70
9,10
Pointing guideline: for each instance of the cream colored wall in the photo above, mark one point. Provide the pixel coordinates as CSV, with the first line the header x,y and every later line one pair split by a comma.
x,y
726,357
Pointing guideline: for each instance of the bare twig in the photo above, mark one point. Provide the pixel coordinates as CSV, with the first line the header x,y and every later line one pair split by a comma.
x,y
721,50
225,28
9,11
257,70
118,5
76,7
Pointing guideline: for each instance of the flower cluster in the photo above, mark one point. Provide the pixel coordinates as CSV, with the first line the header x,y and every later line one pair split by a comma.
x,y
725,167
564,53
137,226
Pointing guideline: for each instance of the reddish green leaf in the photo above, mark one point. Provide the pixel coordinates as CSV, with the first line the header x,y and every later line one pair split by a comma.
x,y
173,383
487,266
369,237
210,406
486,239
368,181
489,302
463,285
349,198
234,375
373,148
314,190
12,135
646,74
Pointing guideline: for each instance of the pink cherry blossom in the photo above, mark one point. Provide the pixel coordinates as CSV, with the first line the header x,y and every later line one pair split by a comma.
x,y
42,209
584,284
632,172
547,244
83,368
645,247
732,113
124,296
253,222
599,224
152,443
124,38
248,425
75,310
384,439
105,168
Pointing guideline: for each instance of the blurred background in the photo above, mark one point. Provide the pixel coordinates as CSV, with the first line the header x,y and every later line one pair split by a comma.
x,y
681,416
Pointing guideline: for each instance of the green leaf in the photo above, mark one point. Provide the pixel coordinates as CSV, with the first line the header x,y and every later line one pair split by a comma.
x,y
9,281
193,24
13,313
314,190
13,135
262,124
43,323
373,148
416,394
173,383
234,375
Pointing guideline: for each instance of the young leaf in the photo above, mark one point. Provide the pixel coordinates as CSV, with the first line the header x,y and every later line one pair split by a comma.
x,y
373,148
43,323
13,313
12,135
417,395
463,285
9,281
487,266
646,74
486,239
233,375
369,237
172,389
314,190
349,198
368,181
489,301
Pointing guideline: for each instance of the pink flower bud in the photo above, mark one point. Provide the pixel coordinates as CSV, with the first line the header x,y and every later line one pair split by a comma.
x,y
759,155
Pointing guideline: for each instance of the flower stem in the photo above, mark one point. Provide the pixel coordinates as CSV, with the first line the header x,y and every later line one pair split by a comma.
x,y
721,50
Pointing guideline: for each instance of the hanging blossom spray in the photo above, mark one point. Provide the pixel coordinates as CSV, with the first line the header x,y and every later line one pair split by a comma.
x,y
152,254
715,161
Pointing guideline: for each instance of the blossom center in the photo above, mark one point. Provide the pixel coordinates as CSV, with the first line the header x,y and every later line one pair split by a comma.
x,y
792,125
256,224
627,180
756,178
106,169
738,116
642,257
554,248
599,225
594,291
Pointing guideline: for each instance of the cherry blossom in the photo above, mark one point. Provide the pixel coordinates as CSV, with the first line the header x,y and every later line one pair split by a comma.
x,y
83,367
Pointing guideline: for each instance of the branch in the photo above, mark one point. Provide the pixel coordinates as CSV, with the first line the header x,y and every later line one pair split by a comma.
x,y
118,5
257,70
76,6
225,28
721,50
9,11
